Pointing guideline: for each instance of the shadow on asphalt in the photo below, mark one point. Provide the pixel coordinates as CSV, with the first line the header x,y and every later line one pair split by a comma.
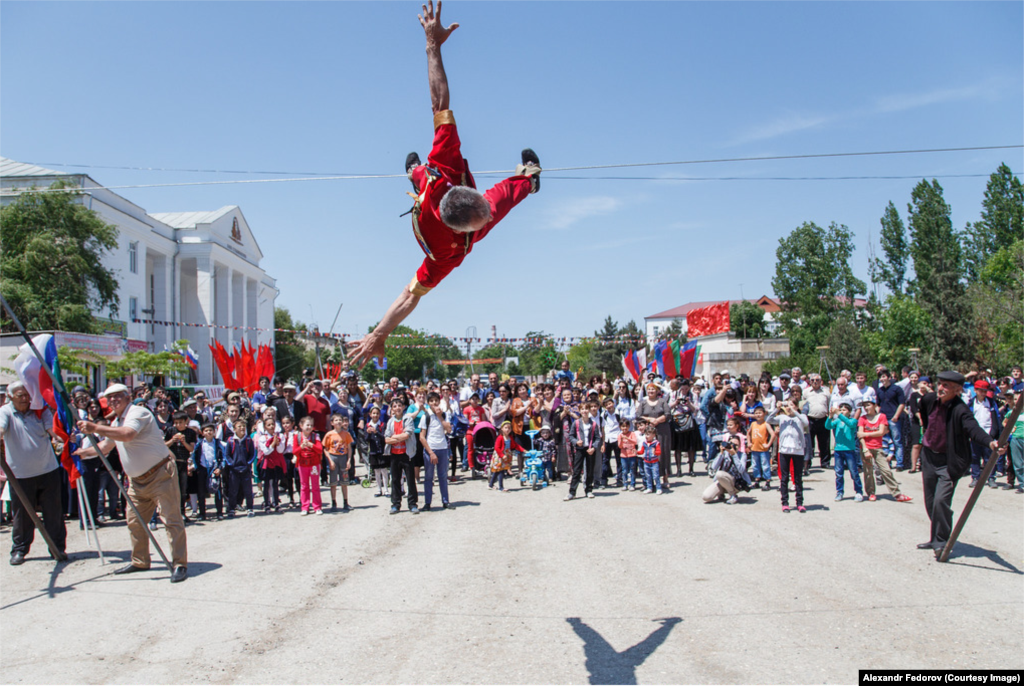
x,y
605,665
966,550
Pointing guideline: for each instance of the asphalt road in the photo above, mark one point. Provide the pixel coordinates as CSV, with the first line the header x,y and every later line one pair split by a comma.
x,y
520,587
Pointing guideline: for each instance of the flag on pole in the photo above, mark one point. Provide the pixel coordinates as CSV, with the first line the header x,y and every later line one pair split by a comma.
x,y
31,373
633,363
191,357
688,359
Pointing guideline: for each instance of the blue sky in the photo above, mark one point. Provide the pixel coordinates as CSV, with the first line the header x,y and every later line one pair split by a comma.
x,y
340,88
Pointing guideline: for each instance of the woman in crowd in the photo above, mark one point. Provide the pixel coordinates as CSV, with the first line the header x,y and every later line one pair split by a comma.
x,y
654,408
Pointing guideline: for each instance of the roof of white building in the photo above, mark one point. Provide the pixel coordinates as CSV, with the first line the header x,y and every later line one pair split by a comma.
x,y
189,220
13,168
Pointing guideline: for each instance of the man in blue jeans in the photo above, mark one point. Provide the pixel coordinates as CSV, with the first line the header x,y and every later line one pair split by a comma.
x,y
433,430
892,403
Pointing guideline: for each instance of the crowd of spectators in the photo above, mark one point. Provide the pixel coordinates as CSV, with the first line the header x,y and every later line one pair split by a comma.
x,y
287,443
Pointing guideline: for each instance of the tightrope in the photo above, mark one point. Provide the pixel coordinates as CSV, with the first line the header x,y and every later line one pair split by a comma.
x,y
628,165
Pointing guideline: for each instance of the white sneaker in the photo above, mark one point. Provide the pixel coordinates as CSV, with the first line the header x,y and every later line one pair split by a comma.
x,y
625,488
590,495
648,490
304,513
319,512
732,501
569,497
660,491
858,498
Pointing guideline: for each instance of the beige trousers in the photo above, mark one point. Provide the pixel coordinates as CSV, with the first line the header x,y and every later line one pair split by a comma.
x,y
873,457
722,485
157,492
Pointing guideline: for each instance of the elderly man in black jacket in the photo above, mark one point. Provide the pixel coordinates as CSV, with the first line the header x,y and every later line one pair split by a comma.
x,y
949,427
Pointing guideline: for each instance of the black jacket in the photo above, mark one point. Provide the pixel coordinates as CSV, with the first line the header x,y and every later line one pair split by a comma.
x,y
961,429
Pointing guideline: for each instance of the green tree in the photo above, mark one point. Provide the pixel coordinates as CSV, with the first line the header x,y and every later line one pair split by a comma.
x,y
415,350
1002,221
814,283
998,308
892,269
538,355
606,354
847,348
291,355
51,268
747,320
495,350
902,324
143,363
939,289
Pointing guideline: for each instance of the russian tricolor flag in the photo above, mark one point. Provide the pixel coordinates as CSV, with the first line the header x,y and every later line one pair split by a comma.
x,y
634,362
40,387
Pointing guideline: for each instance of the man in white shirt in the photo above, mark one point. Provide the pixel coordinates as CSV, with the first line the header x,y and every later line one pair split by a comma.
x,y
152,474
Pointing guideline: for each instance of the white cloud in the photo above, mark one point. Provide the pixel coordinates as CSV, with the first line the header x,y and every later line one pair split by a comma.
x,y
790,123
572,210
900,102
909,101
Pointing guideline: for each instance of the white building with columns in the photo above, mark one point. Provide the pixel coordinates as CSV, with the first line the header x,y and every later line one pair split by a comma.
x,y
196,274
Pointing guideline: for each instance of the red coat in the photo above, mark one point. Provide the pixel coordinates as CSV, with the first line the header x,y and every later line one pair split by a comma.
x,y
445,249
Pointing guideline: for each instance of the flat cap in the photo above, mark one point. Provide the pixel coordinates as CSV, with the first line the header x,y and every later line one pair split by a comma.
x,y
952,377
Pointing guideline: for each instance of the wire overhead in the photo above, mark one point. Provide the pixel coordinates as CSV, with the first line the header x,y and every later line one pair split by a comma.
x,y
350,177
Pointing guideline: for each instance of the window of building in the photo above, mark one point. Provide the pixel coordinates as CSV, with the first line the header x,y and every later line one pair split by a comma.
x,y
133,308
133,257
655,331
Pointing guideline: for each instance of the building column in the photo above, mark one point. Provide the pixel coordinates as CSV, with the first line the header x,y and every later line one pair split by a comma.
x,y
206,292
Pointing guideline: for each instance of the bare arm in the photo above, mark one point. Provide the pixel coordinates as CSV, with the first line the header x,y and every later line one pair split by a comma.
x,y
436,34
372,345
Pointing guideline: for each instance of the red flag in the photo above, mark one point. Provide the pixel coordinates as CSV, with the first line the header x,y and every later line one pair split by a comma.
x,y
669,361
708,320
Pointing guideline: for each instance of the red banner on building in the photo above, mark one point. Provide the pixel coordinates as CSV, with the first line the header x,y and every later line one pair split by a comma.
x,y
708,320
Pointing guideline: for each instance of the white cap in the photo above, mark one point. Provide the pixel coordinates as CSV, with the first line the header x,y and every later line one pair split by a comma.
x,y
114,389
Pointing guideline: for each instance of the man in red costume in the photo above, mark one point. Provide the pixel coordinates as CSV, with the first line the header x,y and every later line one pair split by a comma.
x,y
449,215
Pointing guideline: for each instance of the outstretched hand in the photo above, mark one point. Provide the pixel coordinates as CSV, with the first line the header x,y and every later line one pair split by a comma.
x,y
362,351
433,28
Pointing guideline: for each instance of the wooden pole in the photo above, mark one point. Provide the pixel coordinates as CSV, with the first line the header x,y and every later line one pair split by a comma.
x,y
990,465
58,385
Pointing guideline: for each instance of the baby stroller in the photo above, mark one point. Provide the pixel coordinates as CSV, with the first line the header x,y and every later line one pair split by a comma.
x,y
533,467
484,436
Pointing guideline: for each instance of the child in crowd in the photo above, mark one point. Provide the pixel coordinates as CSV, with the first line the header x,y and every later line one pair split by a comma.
x,y
844,428
337,446
270,446
628,440
585,440
792,431
180,439
434,428
307,450
872,426
760,437
545,443
240,455
398,437
474,413
735,428
504,450
375,445
610,429
649,449
290,477
208,463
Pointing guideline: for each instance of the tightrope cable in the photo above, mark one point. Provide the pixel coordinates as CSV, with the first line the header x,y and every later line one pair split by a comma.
x,y
628,165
